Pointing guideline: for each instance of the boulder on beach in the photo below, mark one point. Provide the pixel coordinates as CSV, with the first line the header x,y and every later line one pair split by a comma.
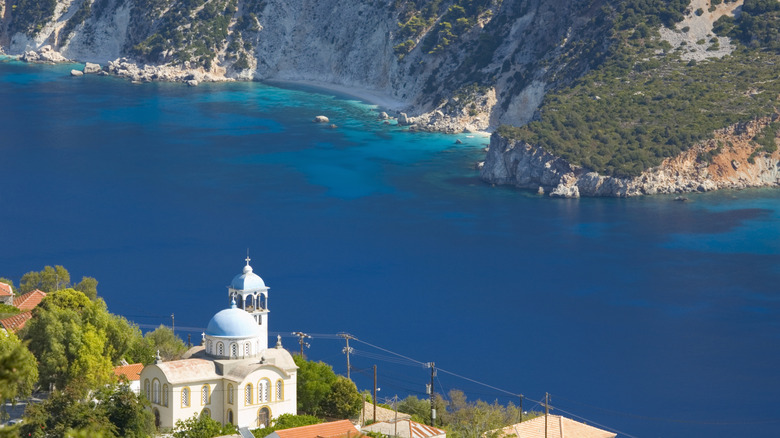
x,y
91,68
321,119
76,73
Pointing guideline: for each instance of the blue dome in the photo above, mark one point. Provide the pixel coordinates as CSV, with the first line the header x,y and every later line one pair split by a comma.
x,y
233,323
248,280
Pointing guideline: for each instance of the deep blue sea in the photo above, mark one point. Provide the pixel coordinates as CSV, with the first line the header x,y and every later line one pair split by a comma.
x,y
650,317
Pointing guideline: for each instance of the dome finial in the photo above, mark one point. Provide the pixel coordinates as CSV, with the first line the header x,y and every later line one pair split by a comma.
x,y
247,257
233,303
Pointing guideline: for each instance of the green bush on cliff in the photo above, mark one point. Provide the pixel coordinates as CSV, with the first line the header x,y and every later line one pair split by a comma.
x,y
29,16
628,115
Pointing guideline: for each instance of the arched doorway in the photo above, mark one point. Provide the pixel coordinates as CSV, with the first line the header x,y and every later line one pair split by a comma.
x,y
156,418
230,416
263,417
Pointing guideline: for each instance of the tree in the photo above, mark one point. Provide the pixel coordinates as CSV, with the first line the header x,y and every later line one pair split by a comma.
x,y
344,400
314,385
420,410
88,286
77,339
50,279
169,345
18,370
322,393
202,427
112,411
464,419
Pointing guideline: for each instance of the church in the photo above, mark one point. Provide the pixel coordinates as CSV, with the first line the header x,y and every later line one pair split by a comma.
x,y
233,376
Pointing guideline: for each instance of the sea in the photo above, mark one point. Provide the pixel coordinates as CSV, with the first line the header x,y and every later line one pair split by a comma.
x,y
648,316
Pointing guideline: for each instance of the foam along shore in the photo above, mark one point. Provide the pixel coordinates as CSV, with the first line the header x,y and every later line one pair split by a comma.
x,y
372,97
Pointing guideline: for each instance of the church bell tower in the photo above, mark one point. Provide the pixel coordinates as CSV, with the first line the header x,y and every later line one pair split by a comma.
x,y
251,295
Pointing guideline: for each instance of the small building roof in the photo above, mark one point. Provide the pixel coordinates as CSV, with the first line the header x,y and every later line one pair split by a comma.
x,y
5,289
29,300
334,429
557,427
16,322
131,372
405,429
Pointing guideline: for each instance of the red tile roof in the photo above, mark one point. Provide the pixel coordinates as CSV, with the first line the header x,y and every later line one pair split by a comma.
x,y
131,372
5,289
342,428
16,322
29,300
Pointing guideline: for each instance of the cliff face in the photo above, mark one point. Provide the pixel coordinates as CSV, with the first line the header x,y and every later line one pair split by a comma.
x,y
487,66
730,160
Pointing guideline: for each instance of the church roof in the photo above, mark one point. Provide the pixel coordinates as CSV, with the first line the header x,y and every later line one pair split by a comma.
x,y
16,322
557,427
29,300
233,323
248,280
188,370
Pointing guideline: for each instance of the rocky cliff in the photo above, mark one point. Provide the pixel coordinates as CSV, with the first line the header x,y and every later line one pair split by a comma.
x,y
451,65
732,159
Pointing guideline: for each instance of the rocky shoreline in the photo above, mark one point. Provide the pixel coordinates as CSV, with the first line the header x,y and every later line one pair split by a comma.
x,y
735,163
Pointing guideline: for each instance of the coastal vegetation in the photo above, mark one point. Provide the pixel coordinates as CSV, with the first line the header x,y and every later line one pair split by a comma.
x,y
645,103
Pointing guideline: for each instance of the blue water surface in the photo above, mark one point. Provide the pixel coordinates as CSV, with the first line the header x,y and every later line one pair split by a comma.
x,y
650,317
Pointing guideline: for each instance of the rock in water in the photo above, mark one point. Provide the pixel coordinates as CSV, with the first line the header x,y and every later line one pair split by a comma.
x,y
403,119
383,115
91,68
458,141
192,83
321,119
76,73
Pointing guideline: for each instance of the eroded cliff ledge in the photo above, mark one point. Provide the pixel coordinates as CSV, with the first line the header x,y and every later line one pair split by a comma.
x,y
732,159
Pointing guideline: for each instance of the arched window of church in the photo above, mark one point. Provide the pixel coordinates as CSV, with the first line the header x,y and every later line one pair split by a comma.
x,y
156,391
246,349
263,417
230,394
248,394
185,397
205,413
165,395
263,390
279,390
220,349
234,350
147,391
204,395
230,416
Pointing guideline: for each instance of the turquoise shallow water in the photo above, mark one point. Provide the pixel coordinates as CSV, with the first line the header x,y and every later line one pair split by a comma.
x,y
650,316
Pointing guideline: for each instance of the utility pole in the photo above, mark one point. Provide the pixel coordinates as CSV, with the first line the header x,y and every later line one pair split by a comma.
x,y
395,422
347,350
301,336
432,366
546,411
374,393
521,407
